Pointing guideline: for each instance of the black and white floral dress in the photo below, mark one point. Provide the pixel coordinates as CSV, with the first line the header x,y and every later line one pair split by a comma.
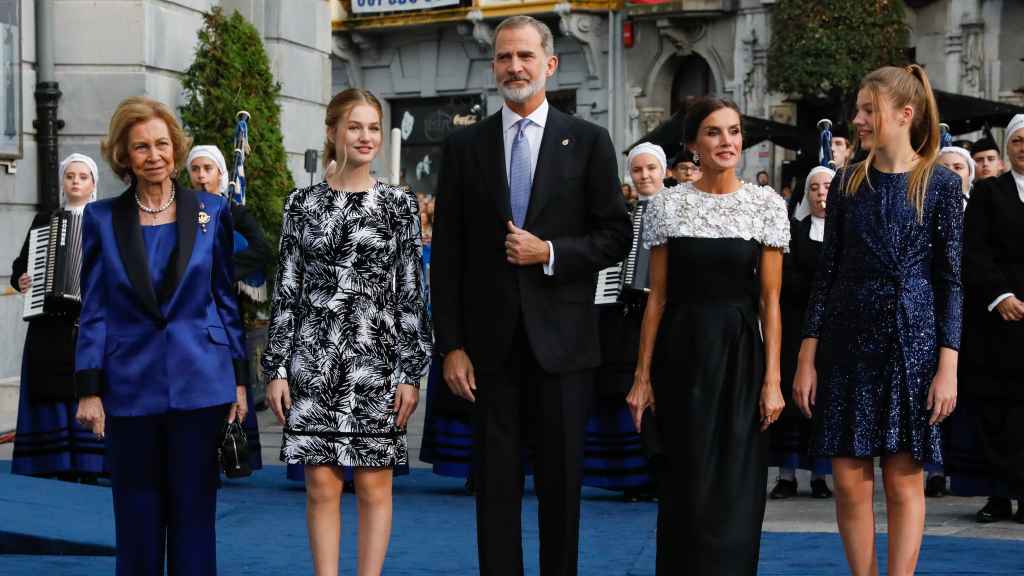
x,y
348,324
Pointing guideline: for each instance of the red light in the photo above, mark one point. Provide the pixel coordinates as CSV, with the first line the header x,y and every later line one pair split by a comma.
x,y
627,34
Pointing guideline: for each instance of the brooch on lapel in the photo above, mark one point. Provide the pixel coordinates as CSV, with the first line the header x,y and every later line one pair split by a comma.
x,y
203,218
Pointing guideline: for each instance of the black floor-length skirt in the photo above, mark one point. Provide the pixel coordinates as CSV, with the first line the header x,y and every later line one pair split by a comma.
x,y
707,372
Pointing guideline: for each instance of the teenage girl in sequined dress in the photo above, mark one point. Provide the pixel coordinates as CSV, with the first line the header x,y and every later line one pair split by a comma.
x,y
877,367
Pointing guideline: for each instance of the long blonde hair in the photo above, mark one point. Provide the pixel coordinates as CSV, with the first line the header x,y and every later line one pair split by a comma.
x,y
903,87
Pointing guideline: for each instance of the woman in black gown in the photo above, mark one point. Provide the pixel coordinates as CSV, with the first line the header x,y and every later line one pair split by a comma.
x,y
879,358
715,274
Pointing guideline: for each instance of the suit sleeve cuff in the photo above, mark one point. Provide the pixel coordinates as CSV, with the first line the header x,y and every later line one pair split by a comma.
x,y
88,383
549,268
998,299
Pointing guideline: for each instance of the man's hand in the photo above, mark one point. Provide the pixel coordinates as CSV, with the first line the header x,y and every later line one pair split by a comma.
x,y
523,248
1011,309
24,281
458,374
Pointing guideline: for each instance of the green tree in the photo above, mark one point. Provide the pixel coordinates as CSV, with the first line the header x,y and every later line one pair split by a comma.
x,y
231,72
821,49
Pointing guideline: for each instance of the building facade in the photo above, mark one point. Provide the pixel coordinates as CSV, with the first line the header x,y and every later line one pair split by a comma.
x,y
105,52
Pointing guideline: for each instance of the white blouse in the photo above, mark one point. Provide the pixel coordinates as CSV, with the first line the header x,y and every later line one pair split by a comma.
x,y
751,213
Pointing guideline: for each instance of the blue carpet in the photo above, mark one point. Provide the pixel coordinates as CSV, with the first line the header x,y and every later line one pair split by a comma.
x,y
261,530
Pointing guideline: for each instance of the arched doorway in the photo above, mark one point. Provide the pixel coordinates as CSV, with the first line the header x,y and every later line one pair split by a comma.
x,y
693,77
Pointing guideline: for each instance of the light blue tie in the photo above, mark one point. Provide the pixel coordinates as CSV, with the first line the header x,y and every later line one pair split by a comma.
x,y
519,181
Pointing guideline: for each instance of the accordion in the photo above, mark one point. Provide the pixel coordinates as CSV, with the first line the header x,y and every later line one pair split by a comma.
x,y
55,266
631,276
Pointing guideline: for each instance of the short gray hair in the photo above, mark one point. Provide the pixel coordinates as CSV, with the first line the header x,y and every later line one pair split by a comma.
x,y
547,40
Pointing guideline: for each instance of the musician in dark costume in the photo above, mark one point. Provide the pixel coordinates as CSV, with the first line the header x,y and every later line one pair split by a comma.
x,y
48,441
986,438
959,160
790,437
614,456
253,256
987,158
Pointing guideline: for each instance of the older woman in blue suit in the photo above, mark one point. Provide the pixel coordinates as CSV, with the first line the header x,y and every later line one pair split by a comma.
x,y
159,350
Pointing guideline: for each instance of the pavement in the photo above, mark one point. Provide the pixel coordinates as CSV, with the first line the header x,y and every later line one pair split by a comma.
x,y
947,516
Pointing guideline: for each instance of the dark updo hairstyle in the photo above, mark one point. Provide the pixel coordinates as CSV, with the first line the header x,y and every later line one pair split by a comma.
x,y
697,109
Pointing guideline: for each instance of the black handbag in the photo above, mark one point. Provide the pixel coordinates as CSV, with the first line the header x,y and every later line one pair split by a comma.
x,y
234,451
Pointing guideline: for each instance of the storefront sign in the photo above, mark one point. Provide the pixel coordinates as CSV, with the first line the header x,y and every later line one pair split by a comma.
x,y
377,6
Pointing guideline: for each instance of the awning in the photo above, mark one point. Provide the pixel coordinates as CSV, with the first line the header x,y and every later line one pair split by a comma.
x,y
669,134
966,113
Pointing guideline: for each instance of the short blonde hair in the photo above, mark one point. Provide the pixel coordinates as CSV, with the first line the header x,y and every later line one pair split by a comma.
x,y
130,112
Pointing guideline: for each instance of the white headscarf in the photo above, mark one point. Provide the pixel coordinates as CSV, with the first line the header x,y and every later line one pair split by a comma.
x,y
1016,123
966,156
803,209
89,163
213,153
647,148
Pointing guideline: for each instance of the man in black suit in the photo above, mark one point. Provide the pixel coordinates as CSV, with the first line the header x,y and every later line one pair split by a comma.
x,y
528,210
987,436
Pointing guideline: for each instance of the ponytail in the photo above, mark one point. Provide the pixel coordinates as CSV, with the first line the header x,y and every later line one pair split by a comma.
x,y
902,87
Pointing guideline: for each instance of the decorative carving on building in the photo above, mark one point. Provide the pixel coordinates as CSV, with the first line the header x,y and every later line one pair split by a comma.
x,y
650,118
755,82
682,35
345,49
972,58
480,31
364,42
584,28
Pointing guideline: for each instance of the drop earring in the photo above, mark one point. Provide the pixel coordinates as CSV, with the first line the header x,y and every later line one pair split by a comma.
x,y
696,157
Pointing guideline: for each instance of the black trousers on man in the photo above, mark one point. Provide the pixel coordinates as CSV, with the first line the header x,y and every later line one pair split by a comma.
x,y
519,406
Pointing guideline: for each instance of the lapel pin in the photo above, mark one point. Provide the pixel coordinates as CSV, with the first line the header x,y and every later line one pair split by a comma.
x,y
203,219
565,142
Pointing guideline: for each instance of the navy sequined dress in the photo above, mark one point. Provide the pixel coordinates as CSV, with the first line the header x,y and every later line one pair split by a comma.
x,y
886,297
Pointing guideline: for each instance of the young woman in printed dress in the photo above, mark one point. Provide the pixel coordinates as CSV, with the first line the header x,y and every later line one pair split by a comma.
x,y
349,335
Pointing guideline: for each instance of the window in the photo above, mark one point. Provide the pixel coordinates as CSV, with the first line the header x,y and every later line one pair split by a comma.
x,y
10,79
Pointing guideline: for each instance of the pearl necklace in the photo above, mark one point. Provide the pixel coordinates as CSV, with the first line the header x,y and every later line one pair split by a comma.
x,y
155,211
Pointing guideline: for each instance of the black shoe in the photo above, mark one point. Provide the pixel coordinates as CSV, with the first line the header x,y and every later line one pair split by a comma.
x,y
819,489
995,510
783,489
935,487
1019,516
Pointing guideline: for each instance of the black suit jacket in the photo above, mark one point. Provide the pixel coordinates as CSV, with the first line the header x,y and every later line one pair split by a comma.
x,y
993,264
478,297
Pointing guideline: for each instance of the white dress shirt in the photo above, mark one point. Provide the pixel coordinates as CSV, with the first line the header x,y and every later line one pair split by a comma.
x,y
534,133
1019,179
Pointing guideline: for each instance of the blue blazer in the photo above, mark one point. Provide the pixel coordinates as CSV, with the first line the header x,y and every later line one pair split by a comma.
x,y
148,351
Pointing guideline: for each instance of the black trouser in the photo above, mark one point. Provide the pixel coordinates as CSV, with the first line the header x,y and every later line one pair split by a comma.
x,y
523,406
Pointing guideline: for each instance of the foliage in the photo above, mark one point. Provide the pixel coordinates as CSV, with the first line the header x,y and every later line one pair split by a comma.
x,y
822,48
231,72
